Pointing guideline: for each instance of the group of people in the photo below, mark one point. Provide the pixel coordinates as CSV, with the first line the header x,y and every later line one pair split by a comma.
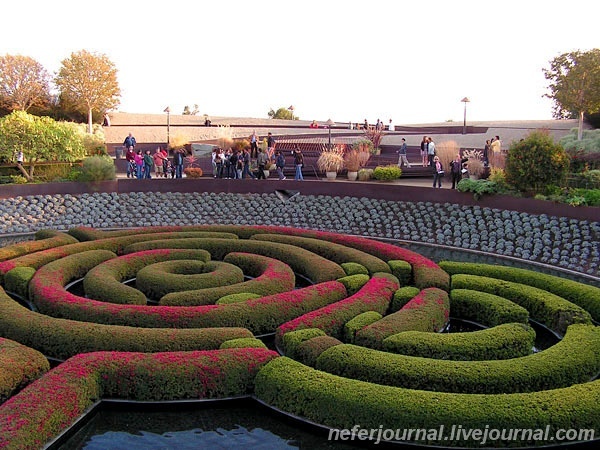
x,y
142,165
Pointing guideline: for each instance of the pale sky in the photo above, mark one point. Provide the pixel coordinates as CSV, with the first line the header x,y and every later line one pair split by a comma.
x,y
411,61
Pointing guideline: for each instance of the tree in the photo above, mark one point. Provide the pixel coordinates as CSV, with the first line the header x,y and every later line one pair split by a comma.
x,y
282,113
24,83
40,139
190,112
575,84
88,81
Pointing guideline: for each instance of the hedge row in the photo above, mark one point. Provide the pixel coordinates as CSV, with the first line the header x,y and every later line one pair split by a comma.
x,y
104,282
583,295
375,295
428,311
52,240
402,296
486,309
63,338
270,276
337,253
358,323
311,265
50,405
309,350
19,366
355,282
553,311
342,403
506,341
575,359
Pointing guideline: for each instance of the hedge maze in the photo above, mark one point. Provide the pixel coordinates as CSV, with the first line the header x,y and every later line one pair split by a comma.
x,y
177,313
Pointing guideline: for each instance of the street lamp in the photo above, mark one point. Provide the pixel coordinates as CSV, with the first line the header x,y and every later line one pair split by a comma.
x,y
168,111
465,101
291,109
329,123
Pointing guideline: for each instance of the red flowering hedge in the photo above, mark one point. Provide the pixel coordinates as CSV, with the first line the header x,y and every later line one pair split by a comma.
x,y
63,338
304,262
575,359
375,295
46,407
19,366
553,311
104,281
43,242
270,276
343,403
428,311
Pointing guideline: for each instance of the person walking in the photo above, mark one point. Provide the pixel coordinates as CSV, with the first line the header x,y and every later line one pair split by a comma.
x,y
402,155
424,151
139,164
438,172
299,163
430,151
280,164
271,143
261,160
246,159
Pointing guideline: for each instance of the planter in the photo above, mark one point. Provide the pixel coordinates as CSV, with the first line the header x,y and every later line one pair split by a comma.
x,y
352,175
331,175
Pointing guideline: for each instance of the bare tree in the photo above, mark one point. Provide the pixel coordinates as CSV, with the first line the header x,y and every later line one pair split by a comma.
x,y
88,81
24,83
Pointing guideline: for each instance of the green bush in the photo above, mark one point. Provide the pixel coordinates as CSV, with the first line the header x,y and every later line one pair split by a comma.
x,y
44,240
365,174
387,173
575,359
243,343
583,295
308,351
401,270
13,179
97,168
17,280
341,403
479,187
506,341
535,162
236,298
358,323
591,197
290,341
402,296
553,311
352,268
486,309
353,283
428,311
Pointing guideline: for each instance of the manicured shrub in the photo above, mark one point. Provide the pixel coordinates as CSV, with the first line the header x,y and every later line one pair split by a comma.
x,y
17,280
387,173
575,359
353,283
505,341
308,351
237,298
290,341
341,403
374,296
358,323
486,309
428,311
352,268
401,270
43,241
97,168
330,250
553,311
402,296
583,295
243,343
20,366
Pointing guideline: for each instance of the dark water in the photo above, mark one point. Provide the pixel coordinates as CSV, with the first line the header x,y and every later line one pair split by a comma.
x,y
220,426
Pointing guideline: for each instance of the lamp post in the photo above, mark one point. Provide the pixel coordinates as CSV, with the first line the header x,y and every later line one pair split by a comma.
x,y
291,109
465,101
329,123
168,111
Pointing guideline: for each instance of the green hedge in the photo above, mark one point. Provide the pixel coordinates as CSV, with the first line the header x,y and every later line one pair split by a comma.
x,y
354,283
236,298
486,309
402,296
308,351
428,311
553,311
104,282
583,295
506,341
330,250
17,280
402,270
291,341
374,296
308,264
270,276
20,365
575,359
32,418
243,343
358,323
352,268
43,241
343,403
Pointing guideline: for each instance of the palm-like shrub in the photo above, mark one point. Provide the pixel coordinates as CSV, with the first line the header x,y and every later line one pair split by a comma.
x,y
331,160
97,168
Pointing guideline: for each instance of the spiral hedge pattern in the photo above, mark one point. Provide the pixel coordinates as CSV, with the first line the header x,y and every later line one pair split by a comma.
x,y
171,313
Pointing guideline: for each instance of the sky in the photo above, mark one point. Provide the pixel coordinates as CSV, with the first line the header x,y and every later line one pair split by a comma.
x,y
345,60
